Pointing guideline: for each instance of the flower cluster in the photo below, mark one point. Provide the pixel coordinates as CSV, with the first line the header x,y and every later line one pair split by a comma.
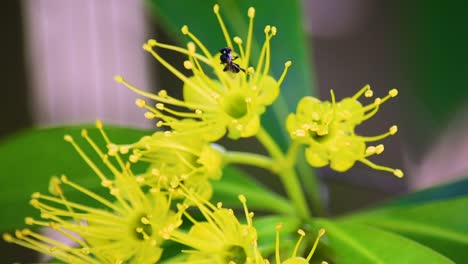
x,y
328,129
130,223
220,238
174,158
228,101
126,227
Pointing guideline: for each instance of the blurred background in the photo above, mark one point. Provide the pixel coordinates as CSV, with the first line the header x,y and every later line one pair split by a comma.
x,y
59,58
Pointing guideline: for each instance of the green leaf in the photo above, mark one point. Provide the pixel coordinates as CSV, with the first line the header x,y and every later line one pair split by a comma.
x,y
442,192
360,243
30,158
441,225
289,44
235,182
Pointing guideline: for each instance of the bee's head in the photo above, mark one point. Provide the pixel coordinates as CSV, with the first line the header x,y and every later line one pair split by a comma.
x,y
225,50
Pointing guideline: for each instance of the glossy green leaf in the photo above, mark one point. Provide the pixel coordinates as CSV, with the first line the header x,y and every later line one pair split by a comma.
x,y
441,225
360,243
235,182
442,192
30,158
289,44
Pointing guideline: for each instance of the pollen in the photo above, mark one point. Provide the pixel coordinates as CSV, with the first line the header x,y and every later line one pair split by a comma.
x,y
118,78
68,138
398,173
393,92
242,198
162,93
237,40
379,149
251,12
29,220
273,31
393,130
140,103
99,124
191,47
377,101
184,29
150,115
216,8
370,150
152,42
188,65
301,232
8,238
160,106
147,47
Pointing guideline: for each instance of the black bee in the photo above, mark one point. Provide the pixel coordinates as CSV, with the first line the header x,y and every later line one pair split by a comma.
x,y
227,59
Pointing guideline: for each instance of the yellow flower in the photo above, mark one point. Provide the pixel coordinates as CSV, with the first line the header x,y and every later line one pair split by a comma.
x,y
220,238
328,128
176,158
216,100
294,259
125,227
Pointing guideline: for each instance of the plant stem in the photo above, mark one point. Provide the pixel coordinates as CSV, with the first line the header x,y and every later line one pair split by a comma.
x,y
306,175
291,155
311,184
287,174
249,159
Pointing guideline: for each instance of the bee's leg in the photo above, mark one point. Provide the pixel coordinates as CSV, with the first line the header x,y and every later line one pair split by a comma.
x,y
236,57
237,67
226,68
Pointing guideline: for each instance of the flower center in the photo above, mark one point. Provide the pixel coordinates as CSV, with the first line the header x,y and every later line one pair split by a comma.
x,y
142,228
235,254
319,139
235,105
323,134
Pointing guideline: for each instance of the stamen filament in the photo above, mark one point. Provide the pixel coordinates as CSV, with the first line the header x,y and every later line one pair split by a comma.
x,y
248,46
395,172
361,92
86,158
222,25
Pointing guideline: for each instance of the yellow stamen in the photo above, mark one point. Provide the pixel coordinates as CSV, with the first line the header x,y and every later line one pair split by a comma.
x,y
396,172
320,234
222,25
277,242
285,71
298,243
